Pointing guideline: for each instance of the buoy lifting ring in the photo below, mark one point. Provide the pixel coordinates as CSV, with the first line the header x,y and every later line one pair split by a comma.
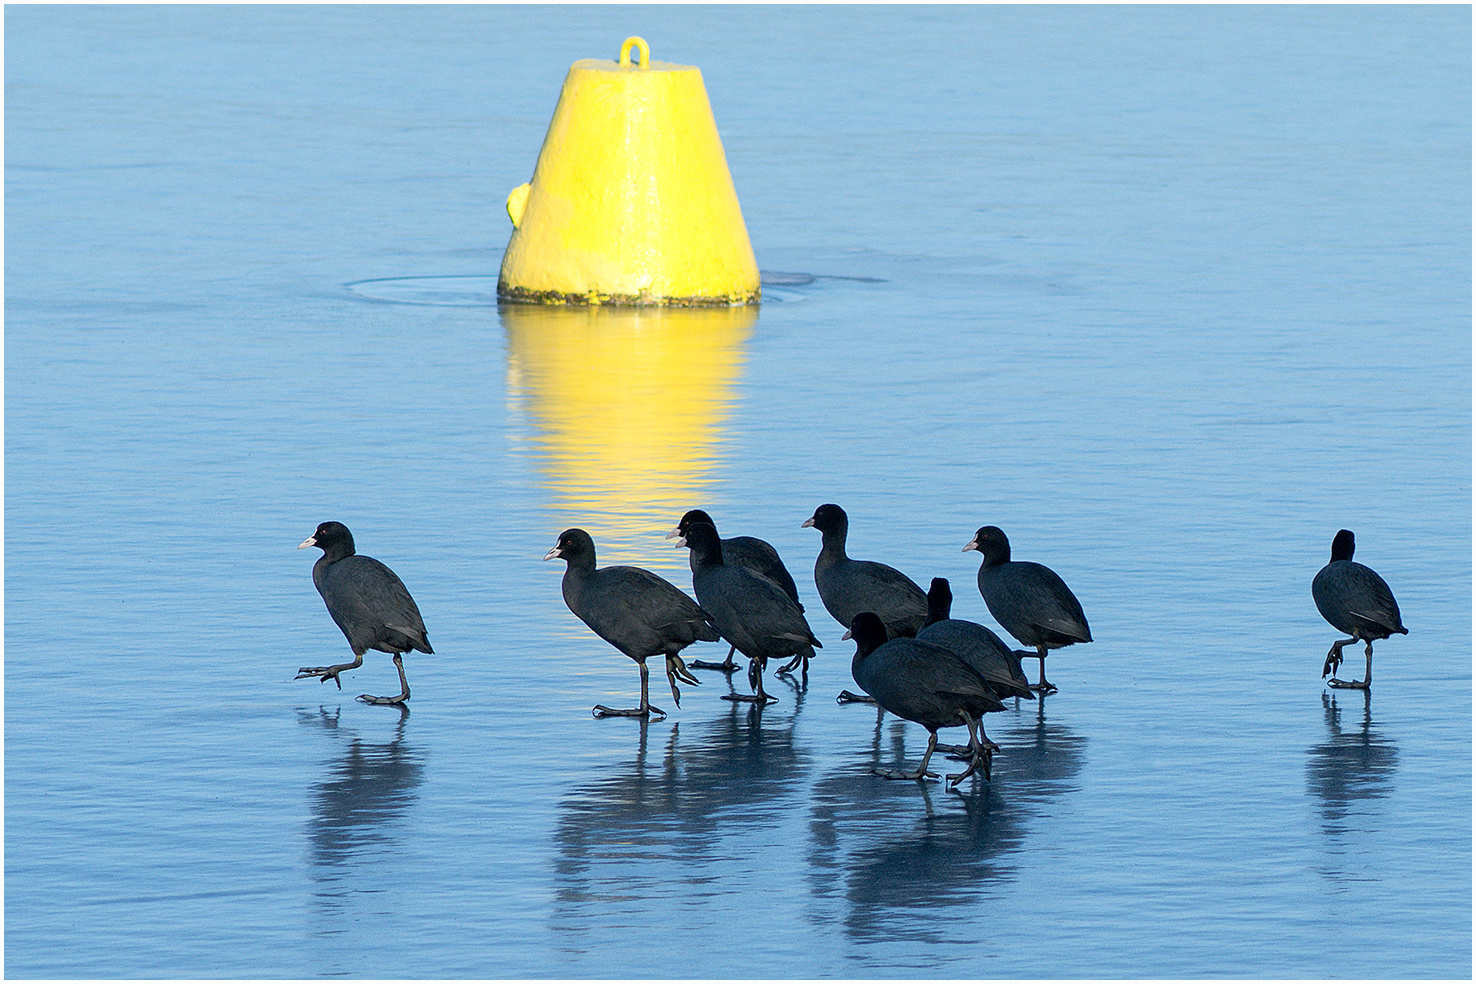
x,y
634,42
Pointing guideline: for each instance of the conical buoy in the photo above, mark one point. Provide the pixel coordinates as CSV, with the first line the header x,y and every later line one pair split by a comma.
x,y
631,202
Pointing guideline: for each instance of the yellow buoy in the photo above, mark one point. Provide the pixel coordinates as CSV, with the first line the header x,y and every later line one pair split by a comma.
x,y
631,202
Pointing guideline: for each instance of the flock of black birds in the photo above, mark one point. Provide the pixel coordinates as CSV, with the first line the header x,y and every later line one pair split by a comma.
x,y
911,658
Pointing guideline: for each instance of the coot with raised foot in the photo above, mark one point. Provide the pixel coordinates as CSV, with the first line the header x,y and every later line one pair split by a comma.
x,y
757,555
926,684
639,613
1354,599
750,611
369,603
849,587
1029,600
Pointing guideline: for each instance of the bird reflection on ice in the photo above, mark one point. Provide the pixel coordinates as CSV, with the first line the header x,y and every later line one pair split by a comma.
x,y
680,822
899,870
356,804
682,803
1354,764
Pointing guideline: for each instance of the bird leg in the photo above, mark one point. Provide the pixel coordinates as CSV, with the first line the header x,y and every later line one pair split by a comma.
x,y
677,670
326,673
1045,686
644,711
726,666
404,688
985,742
975,745
982,754
960,752
756,681
801,660
1335,656
922,772
1350,684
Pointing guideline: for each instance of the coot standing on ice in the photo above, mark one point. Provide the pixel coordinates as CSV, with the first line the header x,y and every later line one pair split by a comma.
x,y
638,612
1354,599
368,602
849,587
923,683
1030,600
974,643
757,555
751,612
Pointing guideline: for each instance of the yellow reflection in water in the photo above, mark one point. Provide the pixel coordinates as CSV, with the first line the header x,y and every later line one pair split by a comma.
x,y
628,407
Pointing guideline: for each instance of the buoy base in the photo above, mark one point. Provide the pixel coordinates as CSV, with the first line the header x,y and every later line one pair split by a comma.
x,y
524,295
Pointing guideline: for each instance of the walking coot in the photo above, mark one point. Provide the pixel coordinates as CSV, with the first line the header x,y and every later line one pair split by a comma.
x,y
751,612
369,603
638,612
923,683
757,555
1029,600
1355,600
849,587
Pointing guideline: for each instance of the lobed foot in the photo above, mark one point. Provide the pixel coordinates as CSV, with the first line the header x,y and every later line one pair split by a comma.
x,y
751,698
899,774
601,711
800,663
987,762
727,666
846,697
384,701
677,670
1348,684
1335,656
324,673
959,753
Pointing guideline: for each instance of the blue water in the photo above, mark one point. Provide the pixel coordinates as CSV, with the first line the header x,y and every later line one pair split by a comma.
x,y
1170,294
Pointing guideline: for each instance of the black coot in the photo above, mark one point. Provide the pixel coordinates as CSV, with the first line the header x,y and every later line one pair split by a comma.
x,y
971,642
923,683
757,555
751,612
369,603
1355,600
849,587
637,612
975,644
1030,600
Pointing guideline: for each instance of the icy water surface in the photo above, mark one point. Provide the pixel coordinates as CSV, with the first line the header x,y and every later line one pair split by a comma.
x,y
1169,294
